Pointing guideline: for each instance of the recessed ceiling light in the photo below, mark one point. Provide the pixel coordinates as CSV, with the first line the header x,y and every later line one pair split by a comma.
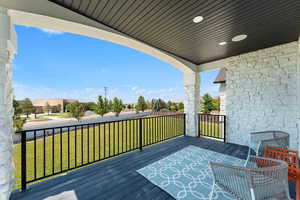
x,y
239,38
222,43
198,19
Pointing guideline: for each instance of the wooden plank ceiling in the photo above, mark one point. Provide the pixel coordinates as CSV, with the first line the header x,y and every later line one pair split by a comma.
x,y
168,24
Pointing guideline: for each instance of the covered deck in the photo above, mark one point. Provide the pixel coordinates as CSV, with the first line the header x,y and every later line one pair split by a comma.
x,y
117,178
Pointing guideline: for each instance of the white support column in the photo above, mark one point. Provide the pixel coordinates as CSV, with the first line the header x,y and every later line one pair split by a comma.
x,y
191,102
7,50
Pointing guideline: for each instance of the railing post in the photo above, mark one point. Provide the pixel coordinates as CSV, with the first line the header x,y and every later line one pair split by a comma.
x,y
184,125
141,134
23,161
199,125
224,128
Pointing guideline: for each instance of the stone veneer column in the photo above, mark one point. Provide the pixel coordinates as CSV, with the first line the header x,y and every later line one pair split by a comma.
x,y
191,102
298,93
7,50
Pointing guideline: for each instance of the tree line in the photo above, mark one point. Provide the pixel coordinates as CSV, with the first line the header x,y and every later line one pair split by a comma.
x,y
103,106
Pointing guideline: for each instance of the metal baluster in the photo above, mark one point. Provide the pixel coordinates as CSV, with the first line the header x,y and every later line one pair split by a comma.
x,y
61,150
75,146
127,143
94,147
44,157
68,147
53,132
88,143
99,138
109,139
118,138
114,139
34,139
141,133
81,145
130,134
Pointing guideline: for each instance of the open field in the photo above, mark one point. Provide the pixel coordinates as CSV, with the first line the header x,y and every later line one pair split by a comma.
x,y
67,150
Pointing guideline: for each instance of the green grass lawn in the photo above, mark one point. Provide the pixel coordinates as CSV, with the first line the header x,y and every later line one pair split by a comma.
x,y
61,115
40,118
123,137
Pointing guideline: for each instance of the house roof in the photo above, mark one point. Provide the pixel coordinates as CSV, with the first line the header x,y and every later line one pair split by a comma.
x,y
221,77
168,25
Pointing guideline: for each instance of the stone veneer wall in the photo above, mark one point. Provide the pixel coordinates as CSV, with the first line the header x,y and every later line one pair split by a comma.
x,y
222,92
261,93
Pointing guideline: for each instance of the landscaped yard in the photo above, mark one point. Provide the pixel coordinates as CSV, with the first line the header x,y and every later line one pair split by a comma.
x,y
104,141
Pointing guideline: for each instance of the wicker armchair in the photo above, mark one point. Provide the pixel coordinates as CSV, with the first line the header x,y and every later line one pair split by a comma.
x,y
261,179
258,140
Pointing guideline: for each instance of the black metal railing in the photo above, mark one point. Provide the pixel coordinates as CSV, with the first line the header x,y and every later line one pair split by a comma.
x,y
213,126
51,151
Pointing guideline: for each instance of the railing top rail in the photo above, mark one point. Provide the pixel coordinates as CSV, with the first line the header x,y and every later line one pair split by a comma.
x,y
210,114
94,123
168,115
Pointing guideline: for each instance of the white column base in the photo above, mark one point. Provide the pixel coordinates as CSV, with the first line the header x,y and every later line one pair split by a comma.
x,y
191,102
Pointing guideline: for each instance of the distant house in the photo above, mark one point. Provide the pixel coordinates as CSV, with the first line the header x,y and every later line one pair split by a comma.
x,y
41,103
221,79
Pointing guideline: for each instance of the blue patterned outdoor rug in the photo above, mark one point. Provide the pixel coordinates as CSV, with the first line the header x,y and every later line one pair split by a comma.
x,y
186,174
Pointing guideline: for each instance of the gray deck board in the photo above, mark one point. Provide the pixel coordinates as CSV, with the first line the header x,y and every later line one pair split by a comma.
x,y
117,178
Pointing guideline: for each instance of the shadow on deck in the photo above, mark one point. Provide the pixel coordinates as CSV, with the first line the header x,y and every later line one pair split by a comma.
x,y
117,178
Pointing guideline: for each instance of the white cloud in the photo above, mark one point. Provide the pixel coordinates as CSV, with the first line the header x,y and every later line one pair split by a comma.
x,y
51,32
134,88
22,91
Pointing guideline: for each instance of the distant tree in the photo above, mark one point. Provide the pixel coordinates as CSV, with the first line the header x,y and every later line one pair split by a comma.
x,y
110,105
76,110
180,106
207,105
27,106
149,104
17,108
102,107
174,107
216,103
18,122
47,108
169,104
141,104
117,106
158,104
129,106
34,110
89,106
162,104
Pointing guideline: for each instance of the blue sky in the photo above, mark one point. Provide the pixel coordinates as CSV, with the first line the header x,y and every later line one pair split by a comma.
x,y
52,64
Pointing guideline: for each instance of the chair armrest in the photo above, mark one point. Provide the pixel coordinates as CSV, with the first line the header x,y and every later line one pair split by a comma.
x,y
231,178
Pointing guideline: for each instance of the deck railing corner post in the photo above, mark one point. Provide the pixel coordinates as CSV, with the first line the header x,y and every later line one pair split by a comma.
x,y
23,161
225,129
184,124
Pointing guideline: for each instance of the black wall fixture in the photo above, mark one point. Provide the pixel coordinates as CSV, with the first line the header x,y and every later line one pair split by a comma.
x,y
168,24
